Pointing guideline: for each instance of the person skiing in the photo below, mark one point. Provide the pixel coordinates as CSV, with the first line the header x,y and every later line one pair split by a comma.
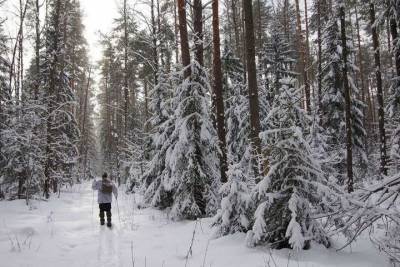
x,y
105,188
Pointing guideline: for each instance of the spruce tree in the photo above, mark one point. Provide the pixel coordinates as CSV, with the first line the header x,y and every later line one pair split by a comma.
x,y
236,113
156,178
291,191
192,158
332,112
235,214
62,129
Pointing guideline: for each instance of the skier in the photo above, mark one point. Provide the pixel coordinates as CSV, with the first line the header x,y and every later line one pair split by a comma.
x,y
105,189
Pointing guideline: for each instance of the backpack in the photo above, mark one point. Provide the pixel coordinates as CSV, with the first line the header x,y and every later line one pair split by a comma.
x,y
106,187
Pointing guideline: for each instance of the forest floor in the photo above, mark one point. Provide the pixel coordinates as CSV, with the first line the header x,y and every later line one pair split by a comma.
x,y
65,232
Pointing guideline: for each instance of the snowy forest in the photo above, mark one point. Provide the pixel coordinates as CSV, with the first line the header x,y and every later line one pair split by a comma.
x,y
276,123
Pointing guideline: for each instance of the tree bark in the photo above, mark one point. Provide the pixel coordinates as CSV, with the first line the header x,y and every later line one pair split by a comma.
x,y
236,28
50,105
286,18
259,26
378,74
360,56
319,42
84,143
217,90
307,44
198,31
185,53
349,135
154,39
302,52
252,80
176,35
21,53
126,93
146,107
16,45
396,50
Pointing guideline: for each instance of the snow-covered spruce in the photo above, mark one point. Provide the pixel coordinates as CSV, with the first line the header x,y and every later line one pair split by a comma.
x,y
192,160
276,62
237,115
157,176
235,214
332,112
393,101
184,171
287,196
22,150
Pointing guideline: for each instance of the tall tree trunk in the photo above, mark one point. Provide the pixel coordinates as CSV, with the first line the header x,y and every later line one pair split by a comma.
x,y
286,18
185,53
252,80
21,51
108,118
389,49
12,74
161,45
198,31
217,90
146,107
154,39
371,104
307,44
235,16
349,135
243,41
84,144
360,57
259,26
396,51
378,74
50,100
176,35
319,42
302,52
126,93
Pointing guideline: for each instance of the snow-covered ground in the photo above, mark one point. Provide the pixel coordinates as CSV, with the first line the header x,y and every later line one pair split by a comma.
x,y
66,232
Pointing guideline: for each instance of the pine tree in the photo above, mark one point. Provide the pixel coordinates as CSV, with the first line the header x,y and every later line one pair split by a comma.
x,y
252,82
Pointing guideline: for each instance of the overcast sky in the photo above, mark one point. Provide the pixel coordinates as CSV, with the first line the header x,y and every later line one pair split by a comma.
x,y
98,15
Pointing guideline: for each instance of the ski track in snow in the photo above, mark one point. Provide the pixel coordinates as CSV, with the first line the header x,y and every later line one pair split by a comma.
x,y
65,232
